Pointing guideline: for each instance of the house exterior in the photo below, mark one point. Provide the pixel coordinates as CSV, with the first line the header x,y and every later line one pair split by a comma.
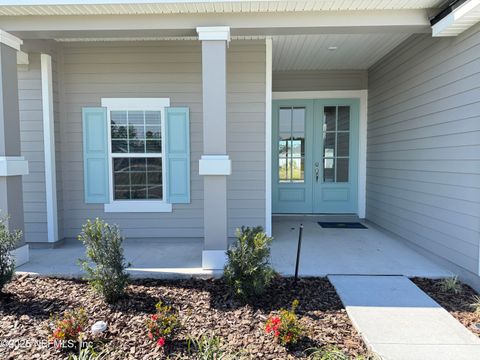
x,y
188,119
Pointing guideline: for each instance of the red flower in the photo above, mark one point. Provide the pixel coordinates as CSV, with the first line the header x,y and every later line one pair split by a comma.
x,y
150,335
154,317
161,341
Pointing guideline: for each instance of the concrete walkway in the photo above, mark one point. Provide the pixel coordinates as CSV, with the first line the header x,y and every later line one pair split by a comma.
x,y
398,321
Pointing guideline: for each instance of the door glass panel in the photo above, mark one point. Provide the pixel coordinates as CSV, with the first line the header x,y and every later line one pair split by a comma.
x,y
343,118
342,170
285,121
297,169
343,142
330,118
291,144
329,145
336,143
328,170
283,170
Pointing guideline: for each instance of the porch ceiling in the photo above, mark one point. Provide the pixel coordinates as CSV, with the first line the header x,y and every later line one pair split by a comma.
x,y
125,7
317,52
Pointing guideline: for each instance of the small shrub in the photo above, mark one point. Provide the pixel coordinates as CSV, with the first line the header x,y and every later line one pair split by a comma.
x,y
476,303
88,353
8,240
333,353
68,331
103,244
327,353
163,325
206,347
285,328
451,284
247,271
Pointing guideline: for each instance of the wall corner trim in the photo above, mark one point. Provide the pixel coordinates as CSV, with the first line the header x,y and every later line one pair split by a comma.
x,y
214,33
215,165
10,40
13,166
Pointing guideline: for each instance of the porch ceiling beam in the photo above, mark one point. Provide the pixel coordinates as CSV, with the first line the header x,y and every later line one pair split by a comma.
x,y
411,21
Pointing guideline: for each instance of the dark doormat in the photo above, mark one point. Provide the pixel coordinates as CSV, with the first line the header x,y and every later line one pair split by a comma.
x,y
341,225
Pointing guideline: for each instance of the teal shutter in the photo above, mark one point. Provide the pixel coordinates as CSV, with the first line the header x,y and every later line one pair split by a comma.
x,y
177,155
95,155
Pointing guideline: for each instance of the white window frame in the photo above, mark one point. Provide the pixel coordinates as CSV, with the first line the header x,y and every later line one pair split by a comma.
x,y
139,104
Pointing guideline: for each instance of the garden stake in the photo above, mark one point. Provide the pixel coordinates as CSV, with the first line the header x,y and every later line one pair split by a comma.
x,y
300,235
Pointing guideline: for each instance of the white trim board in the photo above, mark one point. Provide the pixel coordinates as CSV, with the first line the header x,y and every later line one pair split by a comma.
x,y
13,166
268,137
49,147
362,95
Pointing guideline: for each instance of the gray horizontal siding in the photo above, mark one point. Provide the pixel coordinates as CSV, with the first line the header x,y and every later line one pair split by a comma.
x,y
246,135
31,134
319,80
423,152
166,69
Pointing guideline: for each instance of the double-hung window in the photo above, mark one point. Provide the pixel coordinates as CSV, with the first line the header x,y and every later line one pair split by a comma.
x,y
136,149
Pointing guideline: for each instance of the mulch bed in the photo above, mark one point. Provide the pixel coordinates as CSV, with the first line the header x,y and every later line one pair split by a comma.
x,y
459,305
204,306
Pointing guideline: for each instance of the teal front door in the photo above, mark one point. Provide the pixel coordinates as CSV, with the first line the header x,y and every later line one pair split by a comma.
x,y
315,149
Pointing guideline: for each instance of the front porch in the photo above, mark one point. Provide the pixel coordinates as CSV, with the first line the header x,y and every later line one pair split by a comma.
x,y
369,251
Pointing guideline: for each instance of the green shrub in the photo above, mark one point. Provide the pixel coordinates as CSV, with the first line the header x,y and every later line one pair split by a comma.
x,y
210,347
333,353
103,244
285,328
8,240
248,271
476,303
451,284
206,347
88,353
163,325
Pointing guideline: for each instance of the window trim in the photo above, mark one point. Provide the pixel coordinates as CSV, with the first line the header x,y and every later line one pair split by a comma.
x,y
140,104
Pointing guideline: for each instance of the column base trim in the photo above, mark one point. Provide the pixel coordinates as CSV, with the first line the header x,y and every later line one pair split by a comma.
x,y
214,259
21,255
215,165
13,166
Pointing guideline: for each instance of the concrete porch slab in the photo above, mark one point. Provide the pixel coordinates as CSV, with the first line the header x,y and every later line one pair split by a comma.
x,y
152,258
398,321
369,251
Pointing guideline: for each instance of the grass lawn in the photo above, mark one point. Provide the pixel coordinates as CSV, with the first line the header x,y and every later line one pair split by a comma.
x,y
204,307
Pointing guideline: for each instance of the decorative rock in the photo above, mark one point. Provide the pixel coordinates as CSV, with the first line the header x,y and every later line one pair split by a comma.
x,y
99,327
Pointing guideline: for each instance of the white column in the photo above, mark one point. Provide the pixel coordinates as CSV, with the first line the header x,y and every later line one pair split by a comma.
x,y
215,164
49,147
12,164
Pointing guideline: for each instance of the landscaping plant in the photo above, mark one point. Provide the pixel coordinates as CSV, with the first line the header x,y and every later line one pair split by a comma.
x,y
103,244
67,332
333,353
248,271
451,284
285,327
207,347
88,353
163,325
8,240
476,304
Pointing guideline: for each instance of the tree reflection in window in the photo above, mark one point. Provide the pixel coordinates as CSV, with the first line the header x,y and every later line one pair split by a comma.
x,y
291,145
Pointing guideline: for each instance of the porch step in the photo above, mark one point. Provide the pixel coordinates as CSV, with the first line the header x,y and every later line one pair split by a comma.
x,y
316,217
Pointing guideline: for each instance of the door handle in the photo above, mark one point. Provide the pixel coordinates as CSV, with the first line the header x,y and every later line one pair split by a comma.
x,y
317,171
